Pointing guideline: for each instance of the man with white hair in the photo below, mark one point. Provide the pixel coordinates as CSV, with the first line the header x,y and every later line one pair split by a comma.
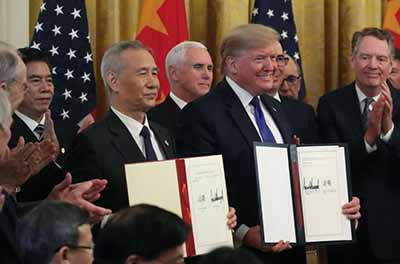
x,y
12,74
189,70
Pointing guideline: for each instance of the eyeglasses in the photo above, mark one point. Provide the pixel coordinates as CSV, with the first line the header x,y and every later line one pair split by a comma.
x,y
86,248
292,79
282,60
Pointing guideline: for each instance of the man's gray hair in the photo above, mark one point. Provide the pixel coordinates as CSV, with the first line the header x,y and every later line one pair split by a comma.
x,y
178,53
5,110
8,63
112,62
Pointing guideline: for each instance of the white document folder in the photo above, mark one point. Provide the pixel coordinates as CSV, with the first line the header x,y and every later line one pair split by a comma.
x,y
194,189
301,191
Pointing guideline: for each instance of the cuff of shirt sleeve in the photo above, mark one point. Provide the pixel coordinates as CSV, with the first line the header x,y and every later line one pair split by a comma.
x,y
241,232
385,138
369,148
104,220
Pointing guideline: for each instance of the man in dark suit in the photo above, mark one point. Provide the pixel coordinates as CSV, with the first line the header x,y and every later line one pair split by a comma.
x,y
224,122
190,73
365,115
125,135
232,116
301,116
32,121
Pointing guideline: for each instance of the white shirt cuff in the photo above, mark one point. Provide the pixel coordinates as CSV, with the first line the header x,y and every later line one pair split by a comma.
x,y
369,148
385,138
104,220
241,232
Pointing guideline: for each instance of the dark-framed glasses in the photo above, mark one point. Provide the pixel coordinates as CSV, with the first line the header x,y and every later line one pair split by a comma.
x,y
86,248
282,60
292,79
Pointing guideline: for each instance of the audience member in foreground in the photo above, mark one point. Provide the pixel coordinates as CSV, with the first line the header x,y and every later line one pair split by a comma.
x,y
56,232
226,255
142,234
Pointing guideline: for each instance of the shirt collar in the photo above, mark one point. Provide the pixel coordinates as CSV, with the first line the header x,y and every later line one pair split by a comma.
x,y
133,125
32,124
277,97
361,95
181,104
244,96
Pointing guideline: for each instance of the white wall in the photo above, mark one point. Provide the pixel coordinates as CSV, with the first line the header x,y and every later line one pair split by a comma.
x,y
14,22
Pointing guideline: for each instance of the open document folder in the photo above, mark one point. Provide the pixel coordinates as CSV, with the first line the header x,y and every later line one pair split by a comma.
x,y
301,192
193,188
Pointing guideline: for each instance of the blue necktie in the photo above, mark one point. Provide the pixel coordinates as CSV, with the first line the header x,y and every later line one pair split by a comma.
x,y
364,115
265,132
150,153
39,130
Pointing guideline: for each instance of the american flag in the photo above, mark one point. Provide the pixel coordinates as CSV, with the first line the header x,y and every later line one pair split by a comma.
x,y
278,14
62,30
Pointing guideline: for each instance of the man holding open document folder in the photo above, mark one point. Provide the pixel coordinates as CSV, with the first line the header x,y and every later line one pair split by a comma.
x,y
235,114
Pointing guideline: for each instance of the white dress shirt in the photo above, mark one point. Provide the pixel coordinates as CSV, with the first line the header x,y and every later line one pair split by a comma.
x,y
181,104
245,98
134,127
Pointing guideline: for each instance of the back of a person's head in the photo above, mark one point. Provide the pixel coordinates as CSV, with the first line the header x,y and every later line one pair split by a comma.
x,y
48,227
143,230
8,64
226,255
5,110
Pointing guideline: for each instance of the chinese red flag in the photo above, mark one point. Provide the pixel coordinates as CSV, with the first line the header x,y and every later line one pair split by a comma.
x,y
391,20
162,25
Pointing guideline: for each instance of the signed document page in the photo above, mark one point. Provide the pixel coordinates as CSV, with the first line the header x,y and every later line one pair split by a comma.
x,y
324,189
154,183
275,194
208,202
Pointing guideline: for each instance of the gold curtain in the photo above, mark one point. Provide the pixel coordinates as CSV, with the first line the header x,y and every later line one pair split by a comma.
x,y
324,28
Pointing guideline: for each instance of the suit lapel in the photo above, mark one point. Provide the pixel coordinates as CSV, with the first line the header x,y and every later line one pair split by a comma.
x,y
19,128
8,220
239,115
171,104
163,140
277,113
122,140
351,108
395,101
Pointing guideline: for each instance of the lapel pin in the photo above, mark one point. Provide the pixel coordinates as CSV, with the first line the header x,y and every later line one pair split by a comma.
x,y
62,150
166,143
273,108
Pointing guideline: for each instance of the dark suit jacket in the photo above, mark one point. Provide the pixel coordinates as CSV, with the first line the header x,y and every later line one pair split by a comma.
x,y
9,246
102,150
217,123
375,176
165,114
40,185
302,119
